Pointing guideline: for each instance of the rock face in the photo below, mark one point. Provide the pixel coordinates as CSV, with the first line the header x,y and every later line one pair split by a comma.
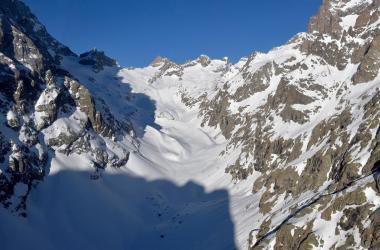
x,y
369,66
97,59
45,109
314,132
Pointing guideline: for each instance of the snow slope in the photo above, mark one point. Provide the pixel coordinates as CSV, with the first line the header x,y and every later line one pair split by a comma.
x,y
172,194
280,150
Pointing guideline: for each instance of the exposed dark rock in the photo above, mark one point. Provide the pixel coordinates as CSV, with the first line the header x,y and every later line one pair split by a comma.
x,y
97,59
369,65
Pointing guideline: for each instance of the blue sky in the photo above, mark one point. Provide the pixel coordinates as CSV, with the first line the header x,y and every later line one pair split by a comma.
x,y
136,31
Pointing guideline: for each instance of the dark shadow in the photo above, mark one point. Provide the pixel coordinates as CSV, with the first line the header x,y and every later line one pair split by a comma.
x,y
7,47
376,168
141,109
71,211
375,173
7,79
112,95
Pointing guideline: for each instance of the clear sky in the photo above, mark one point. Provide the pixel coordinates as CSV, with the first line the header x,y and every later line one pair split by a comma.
x,y
134,32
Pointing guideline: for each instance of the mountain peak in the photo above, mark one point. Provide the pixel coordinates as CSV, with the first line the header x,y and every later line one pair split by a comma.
x,y
97,59
40,48
335,16
160,61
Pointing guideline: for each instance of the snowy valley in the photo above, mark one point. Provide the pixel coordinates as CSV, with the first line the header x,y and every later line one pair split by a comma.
x,y
277,151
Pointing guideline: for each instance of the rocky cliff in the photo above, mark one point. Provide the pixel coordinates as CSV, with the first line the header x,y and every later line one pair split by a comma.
x,y
45,109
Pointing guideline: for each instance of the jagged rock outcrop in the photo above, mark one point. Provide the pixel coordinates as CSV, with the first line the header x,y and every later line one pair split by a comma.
x,y
369,65
97,59
46,109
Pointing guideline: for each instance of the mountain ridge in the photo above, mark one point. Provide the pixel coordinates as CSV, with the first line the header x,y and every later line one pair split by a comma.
x,y
284,143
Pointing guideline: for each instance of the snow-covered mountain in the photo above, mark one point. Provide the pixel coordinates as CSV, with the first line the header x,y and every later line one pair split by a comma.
x,y
278,151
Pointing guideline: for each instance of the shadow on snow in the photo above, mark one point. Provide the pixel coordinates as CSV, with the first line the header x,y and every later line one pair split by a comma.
x,y
70,211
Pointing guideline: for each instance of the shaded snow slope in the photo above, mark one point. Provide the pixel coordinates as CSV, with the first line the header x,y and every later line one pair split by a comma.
x,y
118,211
